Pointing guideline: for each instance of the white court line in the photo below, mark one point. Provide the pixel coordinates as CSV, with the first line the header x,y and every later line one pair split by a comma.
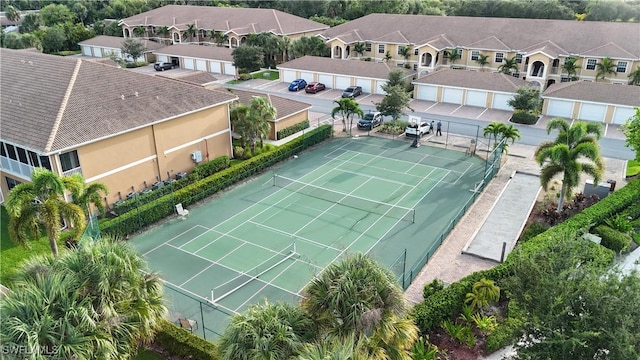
x,y
198,296
289,234
198,273
373,177
463,173
262,288
175,237
381,147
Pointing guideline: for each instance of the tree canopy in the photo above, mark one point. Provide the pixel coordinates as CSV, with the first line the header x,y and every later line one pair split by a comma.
x,y
248,58
132,47
631,129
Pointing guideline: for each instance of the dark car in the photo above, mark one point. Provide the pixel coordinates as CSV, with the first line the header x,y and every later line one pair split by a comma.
x,y
162,66
314,87
370,120
297,84
352,91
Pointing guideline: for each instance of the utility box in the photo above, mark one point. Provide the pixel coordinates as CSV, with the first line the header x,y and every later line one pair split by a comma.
x,y
601,190
196,156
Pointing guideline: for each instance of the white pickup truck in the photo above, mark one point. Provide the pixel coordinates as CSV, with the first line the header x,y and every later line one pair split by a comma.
x,y
418,128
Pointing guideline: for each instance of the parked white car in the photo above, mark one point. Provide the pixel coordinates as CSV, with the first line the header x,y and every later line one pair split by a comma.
x,y
417,128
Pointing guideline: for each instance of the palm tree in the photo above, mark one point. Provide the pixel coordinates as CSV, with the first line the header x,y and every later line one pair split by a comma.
x,y
41,205
346,108
405,52
482,60
605,67
563,156
508,65
261,114
266,331
359,48
571,68
500,131
453,55
239,116
358,296
220,37
12,13
334,348
164,32
139,31
85,195
190,31
634,77
483,293
387,56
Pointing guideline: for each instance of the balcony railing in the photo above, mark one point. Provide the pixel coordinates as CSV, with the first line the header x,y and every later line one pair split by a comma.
x,y
77,170
554,70
16,167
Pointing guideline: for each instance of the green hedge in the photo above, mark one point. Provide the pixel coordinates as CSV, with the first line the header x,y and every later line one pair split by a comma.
x,y
292,129
180,342
162,207
523,117
209,168
448,302
613,239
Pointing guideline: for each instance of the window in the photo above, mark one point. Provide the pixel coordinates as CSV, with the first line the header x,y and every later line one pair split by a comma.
x,y
367,46
11,183
416,51
69,160
11,152
622,67
45,163
519,58
415,67
400,65
400,48
499,57
475,55
381,49
591,64
22,155
2,151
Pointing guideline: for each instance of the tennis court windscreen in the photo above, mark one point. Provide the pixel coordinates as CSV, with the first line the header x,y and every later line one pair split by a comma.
x,y
344,199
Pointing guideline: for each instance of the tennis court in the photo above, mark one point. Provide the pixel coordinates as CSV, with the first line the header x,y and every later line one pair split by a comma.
x,y
269,236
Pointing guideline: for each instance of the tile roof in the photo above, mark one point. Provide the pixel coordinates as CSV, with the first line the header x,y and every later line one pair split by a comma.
x,y
595,92
364,69
198,78
489,43
115,42
49,103
197,51
473,80
240,20
610,50
577,37
548,47
284,107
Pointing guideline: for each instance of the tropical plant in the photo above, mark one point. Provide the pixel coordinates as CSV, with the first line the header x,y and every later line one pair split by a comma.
x,y
164,33
484,323
453,55
357,295
190,32
423,350
483,293
631,129
571,68
85,195
346,108
239,116
266,331
39,205
132,47
634,77
219,37
12,13
499,132
482,60
605,67
139,31
261,114
387,56
574,143
508,66
405,52
526,99
334,348
313,46
359,48
248,58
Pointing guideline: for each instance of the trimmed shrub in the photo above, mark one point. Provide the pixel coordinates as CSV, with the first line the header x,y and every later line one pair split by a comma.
x,y
209,168
245,76
432,288
613,239
183,343
238,152
292,129
532,230
523,117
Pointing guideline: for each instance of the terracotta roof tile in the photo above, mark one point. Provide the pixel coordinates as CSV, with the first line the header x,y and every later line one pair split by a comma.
x,y
473,80
116,42
199,78
101,100
284,107
489,43
197,51
363,69
595,92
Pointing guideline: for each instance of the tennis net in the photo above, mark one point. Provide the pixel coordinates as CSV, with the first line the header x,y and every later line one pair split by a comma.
x,y
243,278
344,199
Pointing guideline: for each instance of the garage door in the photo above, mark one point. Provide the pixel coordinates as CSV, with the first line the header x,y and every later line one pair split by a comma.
x,y
288,76
307,76
97,52
188,63
86,50
342,82
452,96
427,92
365,84
476,98
379,89
592,112
162,58
214,67
621,114
201,65
229,69
560,108
500,101
327,80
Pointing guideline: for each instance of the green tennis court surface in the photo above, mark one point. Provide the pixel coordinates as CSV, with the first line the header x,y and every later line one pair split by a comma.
x,y
269,236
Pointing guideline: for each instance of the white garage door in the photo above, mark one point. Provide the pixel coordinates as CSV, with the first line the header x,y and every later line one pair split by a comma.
x,y
500,101
201,65
214,67
327,80
379,89
452,96
86,50
365,84
476,98
592,112
427,92
162,58
229,69
342,82
288,75
97,52
118,54
621,114
307,76
188,63
560,108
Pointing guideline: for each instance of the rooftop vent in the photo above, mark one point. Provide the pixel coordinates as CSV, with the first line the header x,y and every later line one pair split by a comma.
x,y
122,97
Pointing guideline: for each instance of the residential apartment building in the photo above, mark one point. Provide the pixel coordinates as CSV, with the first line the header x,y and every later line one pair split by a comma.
x,y
124,129
539,47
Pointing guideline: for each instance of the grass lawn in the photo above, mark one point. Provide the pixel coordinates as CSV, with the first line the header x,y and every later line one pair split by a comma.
x,y
270,75
633,168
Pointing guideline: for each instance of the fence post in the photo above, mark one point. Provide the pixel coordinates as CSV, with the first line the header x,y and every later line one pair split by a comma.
x,y
204,332
404,268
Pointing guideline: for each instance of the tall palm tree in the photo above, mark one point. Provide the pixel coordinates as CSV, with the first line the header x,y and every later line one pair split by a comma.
x,y
86,195
261,114
266,331
39,205
239,116
508,66
190,31
164,32
220,37
346,108
453,55
565,155
359,48
604,68
334,348
634,77
387,56
357,295
500,131
482,60
571,68
139,31
405,52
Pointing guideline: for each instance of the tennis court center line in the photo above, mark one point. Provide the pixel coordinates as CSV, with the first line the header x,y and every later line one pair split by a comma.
x,y
463,173
268,283
175,237
419,163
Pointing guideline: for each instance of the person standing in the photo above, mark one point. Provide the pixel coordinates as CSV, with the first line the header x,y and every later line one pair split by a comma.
x,y
439,128
431,127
